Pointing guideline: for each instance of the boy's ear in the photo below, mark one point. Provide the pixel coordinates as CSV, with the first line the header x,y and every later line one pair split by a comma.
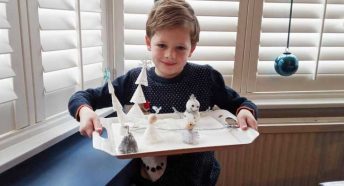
x,y
148,42
193,47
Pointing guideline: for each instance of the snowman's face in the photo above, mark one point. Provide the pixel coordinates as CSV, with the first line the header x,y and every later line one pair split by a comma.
x,y
192,105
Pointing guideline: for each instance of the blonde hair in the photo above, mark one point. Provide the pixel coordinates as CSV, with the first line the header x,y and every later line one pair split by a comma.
x,y
173,13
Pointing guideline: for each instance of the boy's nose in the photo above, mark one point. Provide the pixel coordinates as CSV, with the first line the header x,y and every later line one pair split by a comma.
x,y
169,54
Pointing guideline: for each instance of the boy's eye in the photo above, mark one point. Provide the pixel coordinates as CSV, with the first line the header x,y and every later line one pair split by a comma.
x,y
161,45
181,48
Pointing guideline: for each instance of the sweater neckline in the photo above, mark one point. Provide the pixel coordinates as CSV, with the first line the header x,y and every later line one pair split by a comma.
x,y
157,78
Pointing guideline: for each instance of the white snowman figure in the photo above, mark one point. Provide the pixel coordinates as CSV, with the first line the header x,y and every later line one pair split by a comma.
x,y
192,116
191,113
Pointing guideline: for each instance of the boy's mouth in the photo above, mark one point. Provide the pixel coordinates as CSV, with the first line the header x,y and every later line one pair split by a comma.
x,y
168,63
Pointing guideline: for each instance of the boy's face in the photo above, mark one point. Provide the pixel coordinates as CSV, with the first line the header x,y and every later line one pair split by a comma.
x,y
170,50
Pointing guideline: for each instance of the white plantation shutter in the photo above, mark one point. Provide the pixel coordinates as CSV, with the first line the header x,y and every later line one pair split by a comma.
x,y
71,49
308,41
6,72
13,102
218,21
7,94
59,53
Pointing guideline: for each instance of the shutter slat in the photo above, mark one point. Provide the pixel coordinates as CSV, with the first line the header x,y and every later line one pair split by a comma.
x,y
93,71
134,37
335,2
335,11
7,93
136,52
58,60
5,47
215,8
91,38
60,4
3,17
6,71
334,25
334,40
91,21
92,55
217,39
213,53
56,19
58,40
62,79
332,53
90,5
132,7
297,25
296,39
4,23
281,10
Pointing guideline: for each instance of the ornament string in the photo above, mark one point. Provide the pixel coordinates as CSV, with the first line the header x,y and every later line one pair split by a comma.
x,y
290,14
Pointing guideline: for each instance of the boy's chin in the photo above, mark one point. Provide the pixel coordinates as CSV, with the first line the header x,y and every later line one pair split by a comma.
x,y
168,74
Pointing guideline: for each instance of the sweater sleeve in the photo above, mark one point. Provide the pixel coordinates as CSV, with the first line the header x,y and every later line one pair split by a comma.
x,y
227,98
100,97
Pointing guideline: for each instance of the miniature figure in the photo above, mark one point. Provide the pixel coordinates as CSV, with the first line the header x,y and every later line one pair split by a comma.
x,y
128,143
190,136
192,110
151,134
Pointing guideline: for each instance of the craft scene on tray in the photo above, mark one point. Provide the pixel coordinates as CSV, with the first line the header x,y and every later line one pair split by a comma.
x,y
138,131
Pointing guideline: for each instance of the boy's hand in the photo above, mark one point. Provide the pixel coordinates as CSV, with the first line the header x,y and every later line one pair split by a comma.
x,y
246,119
89,121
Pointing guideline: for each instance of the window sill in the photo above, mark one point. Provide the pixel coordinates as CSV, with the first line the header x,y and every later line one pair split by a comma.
x,y
299,103
25,143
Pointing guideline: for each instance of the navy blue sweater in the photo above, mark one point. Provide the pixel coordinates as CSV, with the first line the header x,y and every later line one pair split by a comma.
x,y
204,82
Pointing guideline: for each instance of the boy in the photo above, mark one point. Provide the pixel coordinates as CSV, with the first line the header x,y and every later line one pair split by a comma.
x,y
172,32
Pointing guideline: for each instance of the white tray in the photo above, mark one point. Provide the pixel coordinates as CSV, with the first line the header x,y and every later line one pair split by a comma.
x,y
213,131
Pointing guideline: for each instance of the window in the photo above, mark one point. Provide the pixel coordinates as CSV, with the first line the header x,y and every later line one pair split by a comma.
x,y
316,38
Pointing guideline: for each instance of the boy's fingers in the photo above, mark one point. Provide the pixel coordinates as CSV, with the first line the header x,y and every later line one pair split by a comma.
x,y
97,125
242,124
252,123
88,132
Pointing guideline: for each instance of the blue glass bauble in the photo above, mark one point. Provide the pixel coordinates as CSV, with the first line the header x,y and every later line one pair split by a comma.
x,y
286,64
